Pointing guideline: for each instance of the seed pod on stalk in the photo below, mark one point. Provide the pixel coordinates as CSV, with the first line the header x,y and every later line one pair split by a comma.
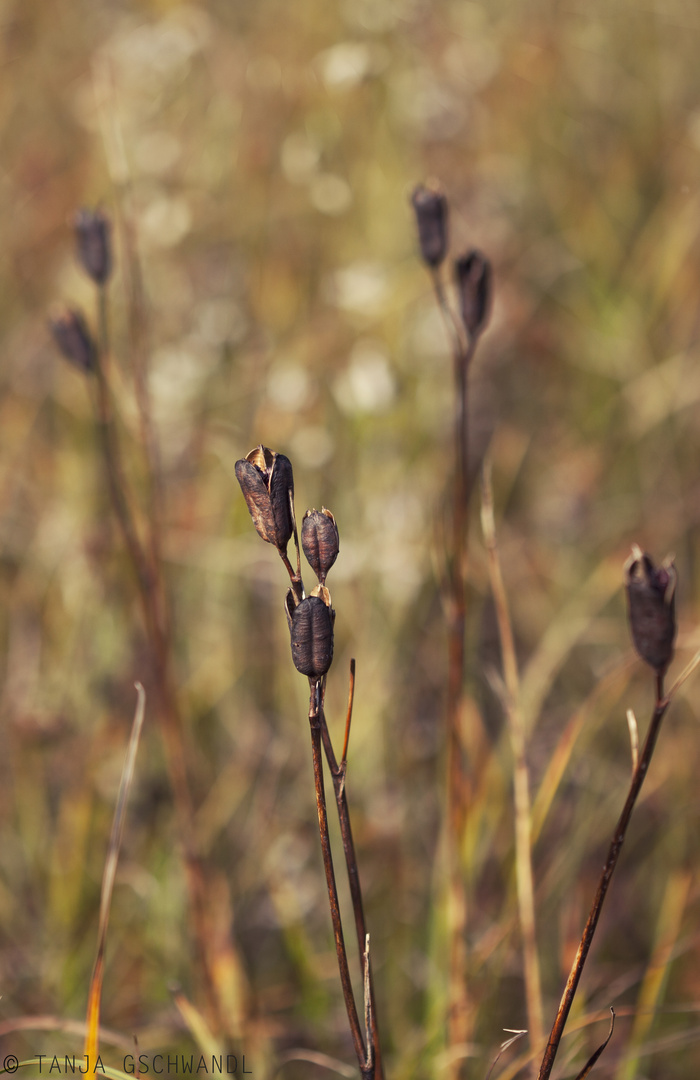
x,y
430,207
651,605
311,632
320,541
71,334
93,234
267,483
473,277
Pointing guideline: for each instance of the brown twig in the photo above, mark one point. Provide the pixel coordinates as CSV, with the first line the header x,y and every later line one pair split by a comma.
x,y
616,843
364,1056
348,715
338,774
456,610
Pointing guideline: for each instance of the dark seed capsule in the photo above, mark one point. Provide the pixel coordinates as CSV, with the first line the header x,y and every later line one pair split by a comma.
x,y
93,233
71,334
430,207
320,541
312,636
267,483
651,607
473,275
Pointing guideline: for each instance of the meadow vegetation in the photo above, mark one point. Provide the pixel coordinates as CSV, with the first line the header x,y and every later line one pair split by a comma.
x,y
257,162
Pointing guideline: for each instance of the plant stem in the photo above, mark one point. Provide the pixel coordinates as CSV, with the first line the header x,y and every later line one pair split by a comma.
x,y
338,774
521,784
455,602
638,776
316,724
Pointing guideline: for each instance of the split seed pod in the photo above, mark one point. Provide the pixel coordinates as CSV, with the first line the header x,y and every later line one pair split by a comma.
x,y
651,605
311,626
320,541
267,483
71,334
430,207
93,234
473,275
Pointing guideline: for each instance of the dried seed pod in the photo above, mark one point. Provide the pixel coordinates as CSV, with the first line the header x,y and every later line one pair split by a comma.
x,y
473,275
320,541
93,234
267,483
312,634
71,334
651,605
430,207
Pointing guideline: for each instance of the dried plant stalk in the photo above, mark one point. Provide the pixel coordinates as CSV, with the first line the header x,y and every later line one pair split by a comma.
x,y
521,783
310,620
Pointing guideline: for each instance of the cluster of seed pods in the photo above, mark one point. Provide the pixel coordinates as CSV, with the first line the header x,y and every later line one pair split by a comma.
x,y
267,483
93,238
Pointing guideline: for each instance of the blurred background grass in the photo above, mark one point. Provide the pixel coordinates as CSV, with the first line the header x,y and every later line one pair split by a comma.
x,y
270,150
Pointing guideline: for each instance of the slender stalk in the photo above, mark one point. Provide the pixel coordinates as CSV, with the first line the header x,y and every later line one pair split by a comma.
x,y
453,325
616,843
521,784
364,1056
338,774
348,715
455,602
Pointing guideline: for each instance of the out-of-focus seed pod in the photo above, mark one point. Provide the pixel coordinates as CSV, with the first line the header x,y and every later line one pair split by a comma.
x,y
430,207
267,483
312,633
320,541
473,276
71,334
651,594
93,234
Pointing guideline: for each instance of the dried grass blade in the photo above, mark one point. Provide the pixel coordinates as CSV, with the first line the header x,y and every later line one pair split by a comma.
x,y
108,877
505,1046
594,1057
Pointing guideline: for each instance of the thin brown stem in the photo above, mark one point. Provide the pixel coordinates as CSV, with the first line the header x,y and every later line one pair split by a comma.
x,y
456,609
453,325
348,715
639,774
364,1057
338,775
368,999
294,577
